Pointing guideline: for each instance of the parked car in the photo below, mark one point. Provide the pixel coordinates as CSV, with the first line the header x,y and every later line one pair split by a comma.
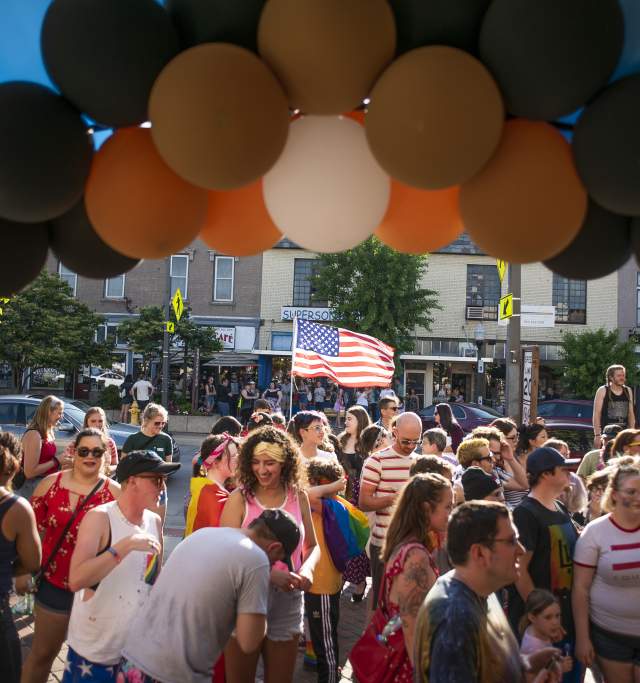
x,y
16,412
577,434
108,379
560,409
468,415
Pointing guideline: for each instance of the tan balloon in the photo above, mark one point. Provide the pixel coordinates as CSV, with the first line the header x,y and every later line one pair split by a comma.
x,y
327,54
326,192
219,116
528,203
435,118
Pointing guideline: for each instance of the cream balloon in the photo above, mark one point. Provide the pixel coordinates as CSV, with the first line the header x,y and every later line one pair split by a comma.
x,y
326,193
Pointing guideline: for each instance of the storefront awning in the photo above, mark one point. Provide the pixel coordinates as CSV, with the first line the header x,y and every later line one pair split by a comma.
x,y
231,359
445,359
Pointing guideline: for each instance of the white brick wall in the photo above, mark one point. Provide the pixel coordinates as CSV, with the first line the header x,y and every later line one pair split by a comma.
x,y
447,274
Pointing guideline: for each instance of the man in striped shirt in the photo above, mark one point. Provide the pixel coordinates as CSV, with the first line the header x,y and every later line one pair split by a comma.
x,y
383,475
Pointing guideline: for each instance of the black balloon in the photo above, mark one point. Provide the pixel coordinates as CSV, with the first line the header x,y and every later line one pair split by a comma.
x,y
606,147
217,21
24,250
438,22
78,246
550,56
601,247
106,54
45,153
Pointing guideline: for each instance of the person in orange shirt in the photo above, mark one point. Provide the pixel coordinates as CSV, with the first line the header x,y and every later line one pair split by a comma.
x,y
213,466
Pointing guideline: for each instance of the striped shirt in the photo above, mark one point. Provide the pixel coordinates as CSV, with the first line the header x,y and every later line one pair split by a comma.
x,y
387,471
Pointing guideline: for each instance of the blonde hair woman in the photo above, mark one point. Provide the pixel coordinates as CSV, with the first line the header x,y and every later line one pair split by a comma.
x,y
97,419
39,444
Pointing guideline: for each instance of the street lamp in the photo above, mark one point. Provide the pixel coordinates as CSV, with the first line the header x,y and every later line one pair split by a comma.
x,y
479,337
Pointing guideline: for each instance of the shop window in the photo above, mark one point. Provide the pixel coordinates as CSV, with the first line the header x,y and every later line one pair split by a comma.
x,y
114,287
483,292
570,300
223,272
68,276
304,293
179,273
281,341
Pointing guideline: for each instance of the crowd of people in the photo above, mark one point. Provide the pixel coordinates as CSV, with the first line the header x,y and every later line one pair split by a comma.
x,y
488,558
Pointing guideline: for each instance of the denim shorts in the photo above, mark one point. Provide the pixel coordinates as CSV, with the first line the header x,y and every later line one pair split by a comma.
x,y
617,647
54,599
285,614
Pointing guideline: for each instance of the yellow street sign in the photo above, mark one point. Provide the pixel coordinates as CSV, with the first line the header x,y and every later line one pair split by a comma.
x,y
505,307
171,326
502,268
178,304
3,300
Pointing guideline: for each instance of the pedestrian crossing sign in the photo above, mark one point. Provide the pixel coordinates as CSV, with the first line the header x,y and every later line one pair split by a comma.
x,y
505,307
502,268
178,304
171,326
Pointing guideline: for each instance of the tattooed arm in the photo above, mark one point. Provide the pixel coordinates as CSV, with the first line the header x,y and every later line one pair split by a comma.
x,y
409,590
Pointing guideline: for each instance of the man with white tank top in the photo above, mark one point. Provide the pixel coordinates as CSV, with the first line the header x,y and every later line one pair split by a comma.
x,y
117,558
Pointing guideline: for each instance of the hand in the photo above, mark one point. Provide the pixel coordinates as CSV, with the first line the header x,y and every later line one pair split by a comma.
x,y
597,441
540,659
584,651
546,676
66,457
566,664
24,584
506,451
283,580
301,582
145,543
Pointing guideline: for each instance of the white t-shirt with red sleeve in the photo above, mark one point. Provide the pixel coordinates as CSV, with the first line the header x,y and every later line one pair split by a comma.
x,y
614,553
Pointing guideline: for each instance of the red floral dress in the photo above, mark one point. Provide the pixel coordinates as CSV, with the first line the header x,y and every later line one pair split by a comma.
x,y
53,510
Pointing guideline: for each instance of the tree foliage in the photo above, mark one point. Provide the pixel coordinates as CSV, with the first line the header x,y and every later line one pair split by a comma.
x,y
586,356
377,291
45,326
145,335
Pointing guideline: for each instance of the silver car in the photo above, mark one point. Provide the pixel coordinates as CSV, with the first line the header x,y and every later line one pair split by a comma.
x,y
16,412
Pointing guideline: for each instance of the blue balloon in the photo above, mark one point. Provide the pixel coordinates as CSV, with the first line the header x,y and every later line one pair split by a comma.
x,y
630,58
20,55
100,137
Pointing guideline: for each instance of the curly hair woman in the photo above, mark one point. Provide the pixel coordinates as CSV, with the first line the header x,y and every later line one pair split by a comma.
x,y
269,474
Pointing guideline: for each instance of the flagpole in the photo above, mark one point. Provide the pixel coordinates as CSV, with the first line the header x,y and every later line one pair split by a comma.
x,y
294,341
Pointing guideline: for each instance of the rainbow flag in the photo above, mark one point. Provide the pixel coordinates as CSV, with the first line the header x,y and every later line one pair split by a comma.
x,y
152,570
346,530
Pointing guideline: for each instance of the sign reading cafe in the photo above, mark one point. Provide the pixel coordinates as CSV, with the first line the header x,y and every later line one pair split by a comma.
x,y
306,313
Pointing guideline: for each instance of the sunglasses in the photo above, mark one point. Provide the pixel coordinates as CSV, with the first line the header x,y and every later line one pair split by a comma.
x,y
410,442
157,480
485,457
393,408
160,424
95,452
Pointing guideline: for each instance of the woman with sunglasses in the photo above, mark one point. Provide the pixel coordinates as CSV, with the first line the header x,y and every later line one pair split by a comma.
x,y
309,431
96,417
151,437
443,417
54,502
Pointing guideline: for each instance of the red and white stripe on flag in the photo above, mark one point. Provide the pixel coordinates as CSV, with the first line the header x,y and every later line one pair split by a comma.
x,y
349,358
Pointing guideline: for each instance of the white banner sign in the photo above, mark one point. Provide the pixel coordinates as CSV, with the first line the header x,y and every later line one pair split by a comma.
x,y
227,335
304,313
535,316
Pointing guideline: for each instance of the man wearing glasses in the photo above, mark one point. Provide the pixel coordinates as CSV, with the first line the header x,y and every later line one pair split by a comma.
x,y
116,560
383,475
388,407
462,633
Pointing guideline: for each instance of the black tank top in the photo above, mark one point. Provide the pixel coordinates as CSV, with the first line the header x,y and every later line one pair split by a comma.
x,y
615,409
8,552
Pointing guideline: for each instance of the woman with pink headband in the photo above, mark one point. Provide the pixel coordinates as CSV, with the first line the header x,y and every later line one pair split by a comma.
x,y
212,467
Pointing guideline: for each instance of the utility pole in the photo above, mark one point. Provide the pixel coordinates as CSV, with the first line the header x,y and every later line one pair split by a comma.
x,y
513,356
165,338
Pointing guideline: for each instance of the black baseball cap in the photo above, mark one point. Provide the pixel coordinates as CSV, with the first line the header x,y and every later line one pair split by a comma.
x,y
545,459
284,527
140,462
477,484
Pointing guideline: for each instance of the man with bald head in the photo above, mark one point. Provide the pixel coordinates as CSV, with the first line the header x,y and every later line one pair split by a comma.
x,y
383,475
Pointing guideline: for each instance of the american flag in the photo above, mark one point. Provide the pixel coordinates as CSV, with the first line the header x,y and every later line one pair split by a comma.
x,y
350,358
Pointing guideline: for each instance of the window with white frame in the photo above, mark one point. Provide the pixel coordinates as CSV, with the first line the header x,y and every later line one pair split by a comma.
x,y
114,287
68,276
179,274
107,332
223,270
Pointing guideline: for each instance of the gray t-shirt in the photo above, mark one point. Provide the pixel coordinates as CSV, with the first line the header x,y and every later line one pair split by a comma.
x,y
211,577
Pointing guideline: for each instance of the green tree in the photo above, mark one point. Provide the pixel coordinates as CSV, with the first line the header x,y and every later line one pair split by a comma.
x,y
378,291
145,334
586,356
45,326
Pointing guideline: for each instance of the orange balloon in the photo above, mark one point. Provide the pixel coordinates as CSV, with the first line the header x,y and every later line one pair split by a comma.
x,y
357,115
419,221
527,204
237,222
136,203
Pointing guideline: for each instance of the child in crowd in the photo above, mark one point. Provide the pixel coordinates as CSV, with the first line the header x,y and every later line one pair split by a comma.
x,y
541,625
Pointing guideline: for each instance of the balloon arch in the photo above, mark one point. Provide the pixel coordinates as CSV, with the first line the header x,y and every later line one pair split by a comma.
x,y
322,120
